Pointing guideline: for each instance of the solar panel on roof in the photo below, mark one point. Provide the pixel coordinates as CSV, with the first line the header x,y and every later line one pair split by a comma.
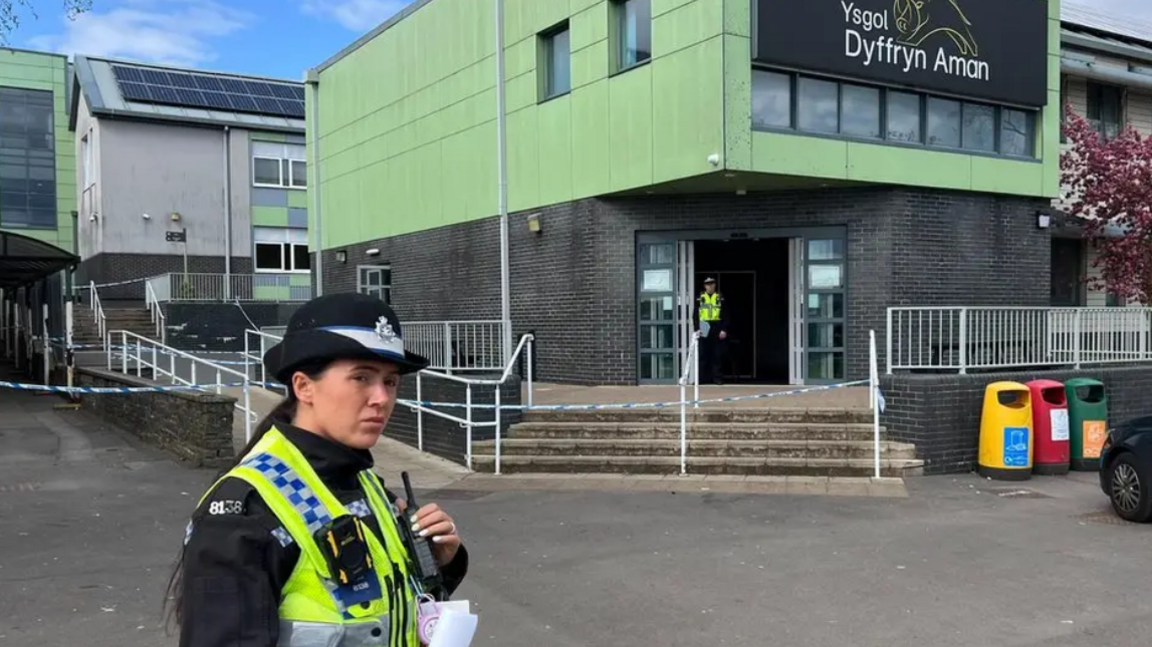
x,y
211,92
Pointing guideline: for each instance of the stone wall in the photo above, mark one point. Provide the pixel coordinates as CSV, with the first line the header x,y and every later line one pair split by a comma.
x,y
941,414
574,283
443,437
197,427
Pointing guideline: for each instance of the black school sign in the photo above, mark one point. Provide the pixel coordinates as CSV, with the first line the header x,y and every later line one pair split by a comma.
x,y
995,50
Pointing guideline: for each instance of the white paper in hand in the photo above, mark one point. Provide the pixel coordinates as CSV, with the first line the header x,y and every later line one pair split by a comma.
x,y
454,629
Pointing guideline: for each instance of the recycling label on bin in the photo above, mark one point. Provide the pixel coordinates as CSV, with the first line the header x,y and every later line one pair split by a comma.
x,y
1016,446
1095,432
1060,426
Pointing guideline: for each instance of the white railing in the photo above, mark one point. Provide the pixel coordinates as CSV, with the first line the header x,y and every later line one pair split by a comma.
x,y
468,422
272,287
137,353
457,345
154,309
691,371
981,338
254,354
98,315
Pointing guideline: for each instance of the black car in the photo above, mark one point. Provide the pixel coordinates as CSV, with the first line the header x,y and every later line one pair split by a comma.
x,y
1126,469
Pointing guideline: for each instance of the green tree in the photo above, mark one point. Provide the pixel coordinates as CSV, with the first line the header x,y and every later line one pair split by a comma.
x,y
12,10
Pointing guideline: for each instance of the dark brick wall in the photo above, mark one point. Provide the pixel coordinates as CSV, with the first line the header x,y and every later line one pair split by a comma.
x,y
197,427
220,326
574,284
941,414
111,268
446,438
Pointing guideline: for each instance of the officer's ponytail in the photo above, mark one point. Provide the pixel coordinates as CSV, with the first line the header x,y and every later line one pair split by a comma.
x,y
282,414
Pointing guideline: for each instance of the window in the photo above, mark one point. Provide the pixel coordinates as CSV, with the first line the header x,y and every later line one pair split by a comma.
x,y
278,249
27,159
1105,108
375,280
772,100
557,65
904,118
279,165
867,112
860,107
633,32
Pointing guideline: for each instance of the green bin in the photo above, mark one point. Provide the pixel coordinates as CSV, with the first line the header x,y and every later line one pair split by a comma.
x,y
1087,421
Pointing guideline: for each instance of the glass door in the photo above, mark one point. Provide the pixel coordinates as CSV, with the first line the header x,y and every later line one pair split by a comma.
x,y
656,269
825,313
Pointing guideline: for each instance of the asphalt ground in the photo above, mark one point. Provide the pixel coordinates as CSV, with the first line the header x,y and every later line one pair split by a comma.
x,y
91,521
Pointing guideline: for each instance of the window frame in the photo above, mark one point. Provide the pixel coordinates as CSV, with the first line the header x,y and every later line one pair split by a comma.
x,y
620,40
287,251
32,160
385,287
546,39
279,171
285,166
1094,92
1032,117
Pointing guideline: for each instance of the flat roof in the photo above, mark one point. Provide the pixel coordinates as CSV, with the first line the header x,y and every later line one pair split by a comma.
x,y
1118,31
95,79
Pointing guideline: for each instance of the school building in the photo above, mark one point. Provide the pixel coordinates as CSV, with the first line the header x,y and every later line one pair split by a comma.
x,y
822,160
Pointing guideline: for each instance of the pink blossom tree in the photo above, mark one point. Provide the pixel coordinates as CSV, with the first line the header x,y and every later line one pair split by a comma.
x,y
1107,184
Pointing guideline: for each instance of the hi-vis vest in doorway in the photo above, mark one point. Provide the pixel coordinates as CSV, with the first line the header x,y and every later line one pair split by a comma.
x,y
709,306
312,613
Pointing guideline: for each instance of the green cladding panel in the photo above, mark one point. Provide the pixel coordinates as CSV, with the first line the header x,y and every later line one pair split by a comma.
x,y
407,127
39,71
407,121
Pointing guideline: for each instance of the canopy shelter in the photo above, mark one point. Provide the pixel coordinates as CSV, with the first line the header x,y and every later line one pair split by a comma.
x,y
24,260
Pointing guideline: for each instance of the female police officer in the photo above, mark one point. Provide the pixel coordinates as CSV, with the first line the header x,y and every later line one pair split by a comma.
x,y
260,565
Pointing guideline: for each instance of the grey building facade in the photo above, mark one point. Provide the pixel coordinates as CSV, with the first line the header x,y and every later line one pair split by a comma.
x,y
152,168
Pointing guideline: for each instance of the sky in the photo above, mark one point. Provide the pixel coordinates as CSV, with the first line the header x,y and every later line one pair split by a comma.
x,y
277,38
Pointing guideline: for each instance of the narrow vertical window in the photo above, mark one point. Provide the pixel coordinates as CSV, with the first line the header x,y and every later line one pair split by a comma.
x,y
557,62
633,32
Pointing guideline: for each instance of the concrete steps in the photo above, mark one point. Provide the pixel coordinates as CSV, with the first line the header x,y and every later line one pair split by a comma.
x,y
734,441
138,321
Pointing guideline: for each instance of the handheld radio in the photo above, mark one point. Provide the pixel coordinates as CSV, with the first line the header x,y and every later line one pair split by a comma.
x,y
418,547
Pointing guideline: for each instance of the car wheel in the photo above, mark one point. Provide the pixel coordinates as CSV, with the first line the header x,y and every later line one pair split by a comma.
x,y
1130,489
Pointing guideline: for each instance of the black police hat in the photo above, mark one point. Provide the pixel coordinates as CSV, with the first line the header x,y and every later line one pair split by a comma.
x,y
341,326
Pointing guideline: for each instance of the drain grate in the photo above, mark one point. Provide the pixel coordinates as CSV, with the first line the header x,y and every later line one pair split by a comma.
x,y
20,487
1019,493
1106,517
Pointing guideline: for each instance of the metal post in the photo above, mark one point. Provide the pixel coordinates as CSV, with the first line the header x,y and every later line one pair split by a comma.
x,y
531,343
963,340
468,403
45,344
227,213
498,386
1076,339
874,379
314,183
888,332
419,412
502,164
247,412
139,359
695,348
683,429
123,352
69,353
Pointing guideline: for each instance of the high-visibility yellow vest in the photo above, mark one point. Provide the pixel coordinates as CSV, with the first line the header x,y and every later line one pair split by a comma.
x,y
311,611
710,306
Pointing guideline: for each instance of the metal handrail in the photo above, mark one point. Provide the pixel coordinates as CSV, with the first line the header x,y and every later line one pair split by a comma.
x,y
157,349
158,318
98,315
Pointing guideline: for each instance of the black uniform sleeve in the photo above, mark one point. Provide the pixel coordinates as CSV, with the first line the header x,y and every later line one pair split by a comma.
x,y
234,570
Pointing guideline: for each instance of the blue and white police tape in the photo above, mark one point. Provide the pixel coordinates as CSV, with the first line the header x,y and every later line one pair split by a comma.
x,y
114,389
632,405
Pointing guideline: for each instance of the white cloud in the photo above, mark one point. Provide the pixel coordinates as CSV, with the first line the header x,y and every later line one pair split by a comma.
x,y
171,32
356,15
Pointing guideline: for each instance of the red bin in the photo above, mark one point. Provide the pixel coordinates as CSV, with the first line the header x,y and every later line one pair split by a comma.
x,y
1050,427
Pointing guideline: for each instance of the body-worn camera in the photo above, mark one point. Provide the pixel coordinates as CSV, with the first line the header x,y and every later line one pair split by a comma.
x,y
344,547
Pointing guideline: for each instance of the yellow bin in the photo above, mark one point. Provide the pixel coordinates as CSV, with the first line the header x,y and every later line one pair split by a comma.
x,y
1006,432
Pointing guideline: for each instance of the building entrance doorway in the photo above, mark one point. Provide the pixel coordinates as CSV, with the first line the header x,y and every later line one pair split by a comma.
x,y
784,303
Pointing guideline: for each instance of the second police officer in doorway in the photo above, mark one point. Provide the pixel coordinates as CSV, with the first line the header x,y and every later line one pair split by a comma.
x,y
299,544
710,313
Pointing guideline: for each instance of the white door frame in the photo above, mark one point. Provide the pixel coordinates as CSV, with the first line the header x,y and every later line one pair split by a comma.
x,y
796,311
685,299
